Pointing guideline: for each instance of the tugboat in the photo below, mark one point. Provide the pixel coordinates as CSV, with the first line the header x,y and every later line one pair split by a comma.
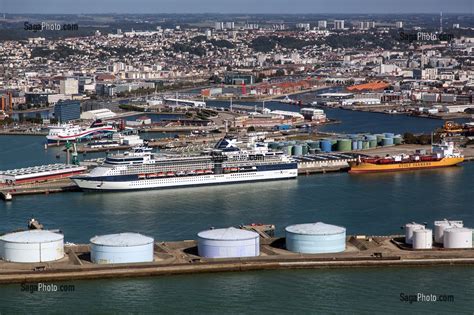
x,y
443,155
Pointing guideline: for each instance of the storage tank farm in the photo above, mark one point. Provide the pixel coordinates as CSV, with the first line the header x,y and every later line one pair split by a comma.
x,y
228,243
121,248
314,238
447,233
347,143
32,246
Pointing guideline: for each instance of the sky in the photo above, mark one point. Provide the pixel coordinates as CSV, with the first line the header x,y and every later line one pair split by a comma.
x,y
236,6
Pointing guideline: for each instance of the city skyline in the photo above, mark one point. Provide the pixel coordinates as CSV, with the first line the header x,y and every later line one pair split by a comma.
x,y
240,7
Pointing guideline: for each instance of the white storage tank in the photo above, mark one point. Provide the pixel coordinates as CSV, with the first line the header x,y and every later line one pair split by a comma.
x,y
422,239
315,238
457,237
409,228
440,226
228,243
32,246
121,248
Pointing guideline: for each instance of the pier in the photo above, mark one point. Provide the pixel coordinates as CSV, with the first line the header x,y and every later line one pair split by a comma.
x,y
181,258
47,187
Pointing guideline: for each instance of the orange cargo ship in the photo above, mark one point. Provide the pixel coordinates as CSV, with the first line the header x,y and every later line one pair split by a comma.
x,y
443,155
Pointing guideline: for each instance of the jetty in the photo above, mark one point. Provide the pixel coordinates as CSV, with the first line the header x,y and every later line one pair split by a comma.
x,y
182,258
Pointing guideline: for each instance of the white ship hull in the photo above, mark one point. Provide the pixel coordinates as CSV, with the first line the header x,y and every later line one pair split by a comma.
x,y
63,137
212,179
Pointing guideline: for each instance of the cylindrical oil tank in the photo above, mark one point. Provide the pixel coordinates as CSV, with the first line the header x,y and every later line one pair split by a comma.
x,y
344,145
397,140
121,248
359,145
372,143
326,146
370,137
288,149
273,145
228,243
312,151
313,238
422,239
440,226
389,135
387,141
457,237
298,150
379,138
305,149
32,246
314,144
354,144
409,228
365,145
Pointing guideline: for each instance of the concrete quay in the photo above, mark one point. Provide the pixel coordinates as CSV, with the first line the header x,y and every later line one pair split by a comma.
x,y
181,258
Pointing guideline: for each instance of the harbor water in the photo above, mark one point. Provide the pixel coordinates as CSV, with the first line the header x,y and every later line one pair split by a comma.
x,y
361,290
365,204
354,121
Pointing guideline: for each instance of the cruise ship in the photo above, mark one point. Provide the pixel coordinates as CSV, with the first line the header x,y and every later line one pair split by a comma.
x,y
225,163
443,155
70,132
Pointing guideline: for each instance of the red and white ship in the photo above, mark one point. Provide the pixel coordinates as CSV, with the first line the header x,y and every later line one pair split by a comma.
x,y
70,132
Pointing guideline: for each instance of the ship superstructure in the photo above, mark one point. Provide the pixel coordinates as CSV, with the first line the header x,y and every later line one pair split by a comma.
x,y
226,163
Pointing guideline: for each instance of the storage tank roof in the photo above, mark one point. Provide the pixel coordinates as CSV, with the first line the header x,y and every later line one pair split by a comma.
x,y
32,236
122,239
318,228
228,234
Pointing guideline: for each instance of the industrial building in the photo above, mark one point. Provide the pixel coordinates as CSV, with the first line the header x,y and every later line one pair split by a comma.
x,y
228,243
96,114
361,101
65,111
121,248
39,173
233,78
313,114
